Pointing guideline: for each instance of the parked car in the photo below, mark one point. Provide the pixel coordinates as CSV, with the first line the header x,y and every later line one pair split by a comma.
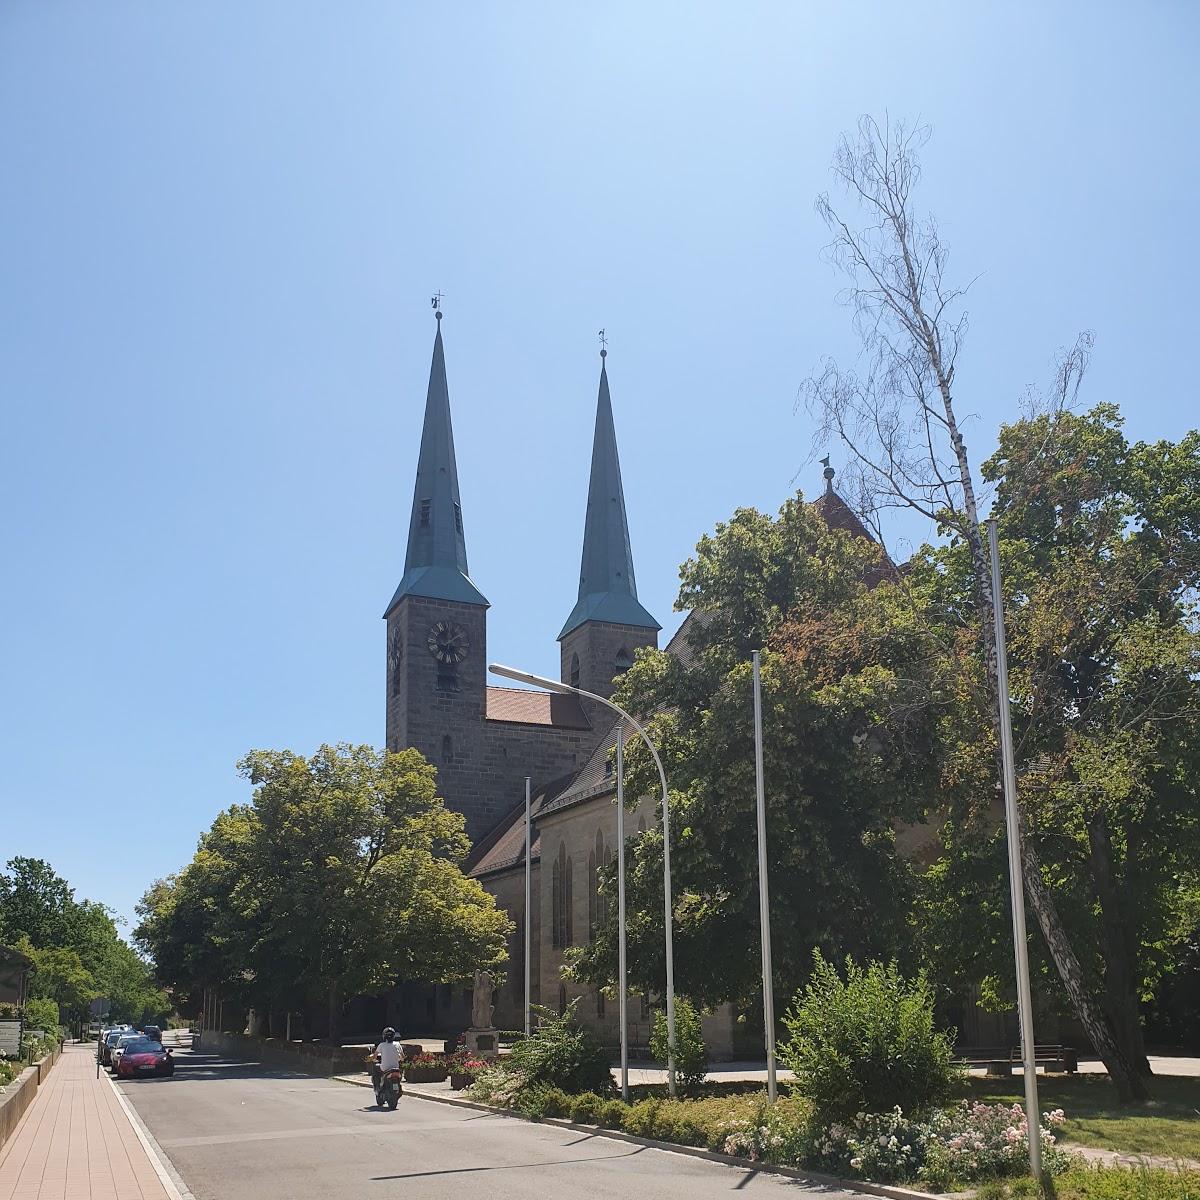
x,y
144,1056
111,1038
119,1047
153,1032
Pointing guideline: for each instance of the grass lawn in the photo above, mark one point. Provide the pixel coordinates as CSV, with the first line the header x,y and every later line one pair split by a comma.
x,y
1169,1125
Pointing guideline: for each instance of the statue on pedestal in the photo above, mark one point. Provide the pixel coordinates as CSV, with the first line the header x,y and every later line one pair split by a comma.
x,y
481,1001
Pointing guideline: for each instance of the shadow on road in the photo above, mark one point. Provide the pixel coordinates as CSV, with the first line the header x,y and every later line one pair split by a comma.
x,y
556,1162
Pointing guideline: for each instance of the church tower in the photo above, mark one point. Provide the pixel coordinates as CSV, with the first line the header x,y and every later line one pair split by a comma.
x,y
436,621
608,623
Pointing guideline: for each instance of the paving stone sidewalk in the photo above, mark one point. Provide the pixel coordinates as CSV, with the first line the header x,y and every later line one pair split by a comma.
x,y
77,1143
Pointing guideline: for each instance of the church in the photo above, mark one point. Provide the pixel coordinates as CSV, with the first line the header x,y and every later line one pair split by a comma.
x,y
485,740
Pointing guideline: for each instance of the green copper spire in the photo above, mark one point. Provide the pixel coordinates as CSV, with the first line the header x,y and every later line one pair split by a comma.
x,y
607,591
436,563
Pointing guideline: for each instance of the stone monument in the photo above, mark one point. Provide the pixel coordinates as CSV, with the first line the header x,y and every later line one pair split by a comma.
x,y
482,1039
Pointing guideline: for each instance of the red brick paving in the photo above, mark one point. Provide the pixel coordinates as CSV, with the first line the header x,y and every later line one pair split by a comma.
x,y
76,1143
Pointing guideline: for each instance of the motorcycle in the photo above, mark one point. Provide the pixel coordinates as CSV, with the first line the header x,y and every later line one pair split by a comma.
x,y
389,1089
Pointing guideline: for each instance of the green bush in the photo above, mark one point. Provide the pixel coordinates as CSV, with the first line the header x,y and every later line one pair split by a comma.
x,y
691,1054
563,1054
41,1014
611,1114
8,1071
585,1108
642,1118
868,1043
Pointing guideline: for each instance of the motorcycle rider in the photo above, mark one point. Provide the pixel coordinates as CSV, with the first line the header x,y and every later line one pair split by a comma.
x,y
385,1058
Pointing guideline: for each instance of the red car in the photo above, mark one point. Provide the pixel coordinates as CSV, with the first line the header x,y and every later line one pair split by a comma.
x,y
145,1057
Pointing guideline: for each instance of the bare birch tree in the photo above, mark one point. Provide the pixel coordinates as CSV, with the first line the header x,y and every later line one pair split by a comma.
x,y
898,421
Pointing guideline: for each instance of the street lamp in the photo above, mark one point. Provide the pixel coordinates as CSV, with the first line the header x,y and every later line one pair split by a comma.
x,y
553,685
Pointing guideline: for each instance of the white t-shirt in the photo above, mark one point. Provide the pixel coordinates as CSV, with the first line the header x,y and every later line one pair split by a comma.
x,y
389,1056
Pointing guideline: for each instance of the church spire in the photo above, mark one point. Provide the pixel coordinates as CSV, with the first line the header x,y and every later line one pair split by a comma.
x,y
436,563
607,591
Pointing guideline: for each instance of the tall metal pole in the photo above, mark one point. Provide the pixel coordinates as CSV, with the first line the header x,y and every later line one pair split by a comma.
x,y
764,900
528,904
623,1002
1015,874
555,685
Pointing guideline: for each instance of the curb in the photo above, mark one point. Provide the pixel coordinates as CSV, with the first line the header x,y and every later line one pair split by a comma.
x,y
729,1160
170,1179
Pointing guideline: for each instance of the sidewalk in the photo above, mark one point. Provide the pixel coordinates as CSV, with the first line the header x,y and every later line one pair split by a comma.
x,y
76,1142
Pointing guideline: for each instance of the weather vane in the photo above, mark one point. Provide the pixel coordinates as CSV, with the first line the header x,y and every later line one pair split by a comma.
x,y
603,344
435,302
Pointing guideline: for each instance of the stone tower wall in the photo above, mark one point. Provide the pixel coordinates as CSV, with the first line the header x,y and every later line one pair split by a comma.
x,y
597,643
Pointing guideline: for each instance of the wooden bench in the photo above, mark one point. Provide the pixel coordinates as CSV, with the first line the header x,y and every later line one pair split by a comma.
x,y
999,1060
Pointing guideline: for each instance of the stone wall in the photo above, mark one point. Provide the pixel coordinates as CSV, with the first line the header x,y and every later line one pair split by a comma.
x,y
312,1058
508,887
481,764
574,830
597,644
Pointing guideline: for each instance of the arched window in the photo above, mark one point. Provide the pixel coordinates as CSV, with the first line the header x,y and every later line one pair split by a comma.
x,y
597,903
516,957
574,670
555,903
593,894
562,933
447,748
599,1003
624,660
447,677
642,823
562,999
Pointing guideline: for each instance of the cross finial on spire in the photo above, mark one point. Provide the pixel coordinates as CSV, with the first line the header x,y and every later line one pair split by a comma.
x,y
603,344
435,302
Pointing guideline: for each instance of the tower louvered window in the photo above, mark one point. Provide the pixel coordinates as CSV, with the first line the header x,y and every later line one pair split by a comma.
x,y
426,505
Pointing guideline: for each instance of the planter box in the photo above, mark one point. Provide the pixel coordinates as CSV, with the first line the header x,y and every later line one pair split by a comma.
x,y
425,1074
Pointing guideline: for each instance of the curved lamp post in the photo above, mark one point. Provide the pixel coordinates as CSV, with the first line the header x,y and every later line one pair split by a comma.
x,y
553,685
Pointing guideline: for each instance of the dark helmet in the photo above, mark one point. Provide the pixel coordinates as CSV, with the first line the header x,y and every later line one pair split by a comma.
x,y
389,1035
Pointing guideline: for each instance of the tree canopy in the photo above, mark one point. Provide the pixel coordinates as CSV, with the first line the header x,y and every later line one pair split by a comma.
x,y
342,875
77,952
846,760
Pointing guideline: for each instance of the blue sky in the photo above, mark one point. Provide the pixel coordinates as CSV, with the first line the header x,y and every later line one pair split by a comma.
x,y
221,223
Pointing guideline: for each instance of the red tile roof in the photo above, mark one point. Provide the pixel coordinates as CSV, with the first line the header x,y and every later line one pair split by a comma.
x,y
527,707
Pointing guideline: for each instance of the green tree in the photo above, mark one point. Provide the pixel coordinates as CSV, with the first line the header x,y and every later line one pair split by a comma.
x,y
342,876
847,758
59,975
1101,564
77,949
36,903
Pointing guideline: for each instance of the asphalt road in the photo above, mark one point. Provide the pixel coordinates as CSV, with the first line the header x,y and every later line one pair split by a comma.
x,y
235,1130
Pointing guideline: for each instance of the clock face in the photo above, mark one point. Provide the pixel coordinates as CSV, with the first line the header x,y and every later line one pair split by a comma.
x,y
395,650
448,643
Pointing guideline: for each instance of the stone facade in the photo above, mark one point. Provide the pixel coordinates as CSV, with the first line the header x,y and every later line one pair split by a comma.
x,y
482,763
569,835
593,654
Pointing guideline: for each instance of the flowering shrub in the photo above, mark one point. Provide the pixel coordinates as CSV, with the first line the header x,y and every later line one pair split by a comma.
x,y
969,1141
768,1136
883,1146
499,1085
427,1060
988,1139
